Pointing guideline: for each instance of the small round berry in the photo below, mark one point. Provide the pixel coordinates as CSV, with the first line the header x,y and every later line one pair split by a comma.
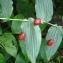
x,y
37,21
21,36
50,42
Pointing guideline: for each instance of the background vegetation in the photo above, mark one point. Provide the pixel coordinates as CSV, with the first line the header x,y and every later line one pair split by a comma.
x,y
26,9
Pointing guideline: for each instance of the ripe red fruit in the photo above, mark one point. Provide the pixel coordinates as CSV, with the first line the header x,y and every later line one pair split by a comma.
x,y
50,42
37,21
21,36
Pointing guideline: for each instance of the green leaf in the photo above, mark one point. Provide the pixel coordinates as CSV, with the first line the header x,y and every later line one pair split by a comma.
x,y
61,29
55,34
20,58
0,8
7,41
61,45
5,54
24,8
23,1
27,1
7,8
32,40
33,1
37,61
2,60
44,9
10,22
43,26
16,25
23,48
0,31
43,50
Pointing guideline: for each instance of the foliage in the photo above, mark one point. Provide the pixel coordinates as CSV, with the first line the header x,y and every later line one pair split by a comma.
x,y
17,16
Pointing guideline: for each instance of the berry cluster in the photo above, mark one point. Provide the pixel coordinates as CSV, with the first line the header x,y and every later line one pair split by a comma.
x,y
22,35
37,21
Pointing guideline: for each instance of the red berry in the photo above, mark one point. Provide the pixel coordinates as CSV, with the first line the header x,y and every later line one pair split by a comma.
x,y
21,36
37,21
50,42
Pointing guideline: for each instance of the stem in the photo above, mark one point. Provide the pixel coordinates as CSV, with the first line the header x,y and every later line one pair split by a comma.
x,y
26,20
51,24
15,19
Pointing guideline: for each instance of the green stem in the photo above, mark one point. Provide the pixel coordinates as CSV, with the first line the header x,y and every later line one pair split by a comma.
x,y
26,20
52,24
15,19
